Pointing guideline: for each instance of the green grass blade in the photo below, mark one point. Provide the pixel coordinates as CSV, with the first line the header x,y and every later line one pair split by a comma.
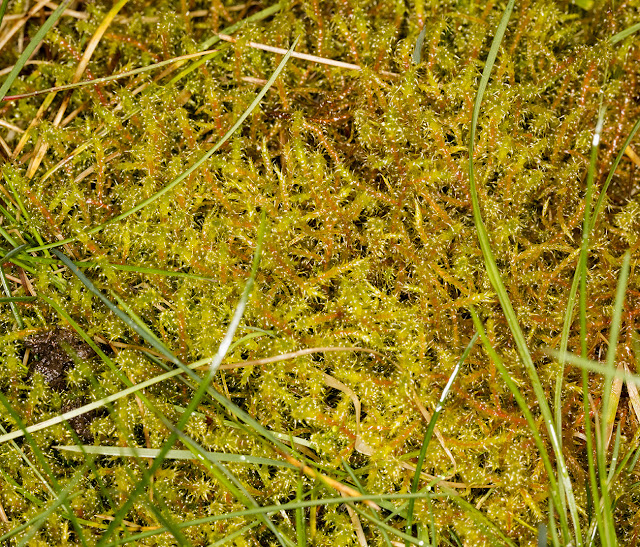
x,y
515,391
133,325
614,166
417,50
111,78
380,524
123,267
634,461
36,522
555,540
479,518
582,267
614,456
61,497
10,299
203,387
276,509
267,12
614,334
252,18
13,252
623,34
153,453
259,16
595,366
581,274
3,9
168,524
215,468
542,535
498,285
237,534
301,532
138,320
431,427
604,514
6,299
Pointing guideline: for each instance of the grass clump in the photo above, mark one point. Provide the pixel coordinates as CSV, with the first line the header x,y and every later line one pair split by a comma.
x,y
135,213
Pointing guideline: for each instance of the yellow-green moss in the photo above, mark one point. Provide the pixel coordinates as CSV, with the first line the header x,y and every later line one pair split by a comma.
x,y
371,241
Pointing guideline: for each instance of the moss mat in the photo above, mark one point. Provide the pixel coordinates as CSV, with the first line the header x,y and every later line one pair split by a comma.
x,y
361,172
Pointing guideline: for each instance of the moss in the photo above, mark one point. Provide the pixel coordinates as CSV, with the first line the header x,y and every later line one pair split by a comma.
x,y
371,241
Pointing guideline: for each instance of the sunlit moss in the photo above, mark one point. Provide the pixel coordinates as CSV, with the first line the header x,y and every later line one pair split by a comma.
x,y
371,243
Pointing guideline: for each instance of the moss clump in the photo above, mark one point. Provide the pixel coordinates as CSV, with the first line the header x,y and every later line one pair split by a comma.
x,y
371,243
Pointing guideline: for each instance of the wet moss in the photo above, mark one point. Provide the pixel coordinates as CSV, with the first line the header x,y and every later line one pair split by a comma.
x,y
371,240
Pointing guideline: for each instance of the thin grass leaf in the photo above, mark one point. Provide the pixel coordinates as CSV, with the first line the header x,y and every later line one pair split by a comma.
x,y
614,456
6,299
301,532
496,281
614,333
36,522
10,299
111,78
31,227
13,252
604,514
237,534
625,465
634,461
623,34
614,166
203,387
520,400
261,15
479,518
593,493
580,273
138,320
542,535
168,524
417,50
6,234
123,267
552,525
432,525
386,505
432,425
153,453
133,325
10,255
3,9
217,470
275,509
595,366
256,17
409,540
